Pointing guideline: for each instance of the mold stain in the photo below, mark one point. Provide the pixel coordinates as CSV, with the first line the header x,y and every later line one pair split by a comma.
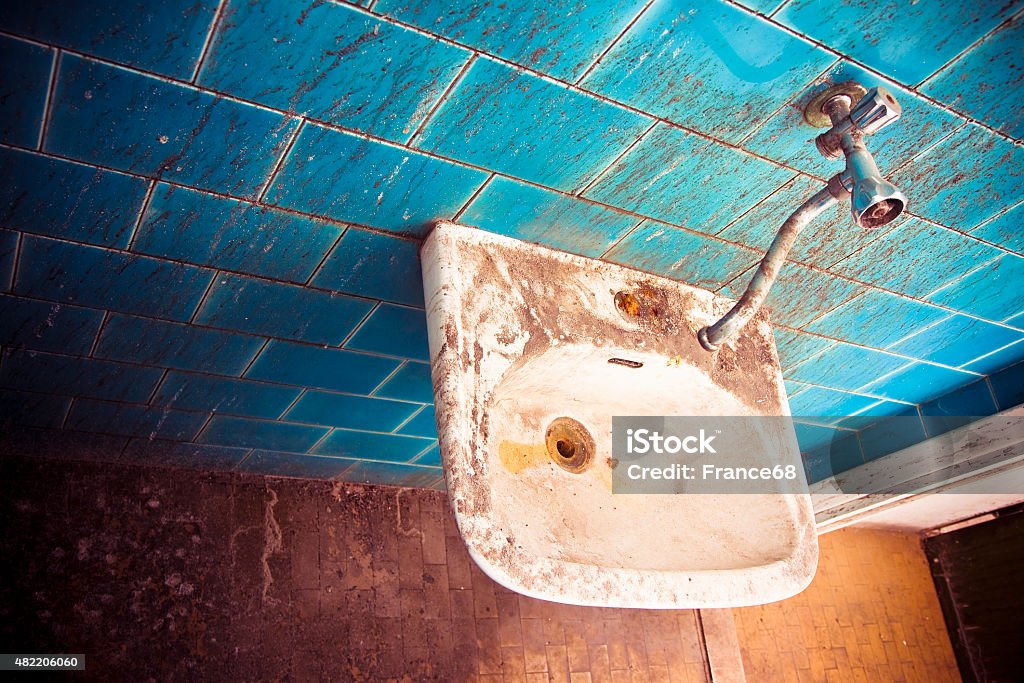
x,y
516,457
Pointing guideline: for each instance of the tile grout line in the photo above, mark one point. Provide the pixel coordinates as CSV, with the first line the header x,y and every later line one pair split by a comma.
x,y
203,428
146,199
444,96
407,421
613,43
291,405
992,392
472,198
71,405
99,333
384,381
323,260
992,219
611,164
51,90
156,388
413,461
238,464
214,24
261,196
355,329
778,9
319,442
17,260
1005,23
202,298
252,361
620,240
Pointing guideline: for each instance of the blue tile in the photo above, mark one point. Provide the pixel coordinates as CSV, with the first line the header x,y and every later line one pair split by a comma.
x,y
29,324
371,446
836,457
892,434
292,465
536,215
796,347
710,66
173,345
957,340
916,258
811,437
993,291
331,63
371,183
166,37
523,125
876,318
44,411
696,259
846,367
997,360
958,408
1004,229
210,230
374,265
249,433
917,382
125,419
793,388
871,32
787,138
1008,386
987,81
799,295
820,404
163,453
411,383
63,199
23,90
395,331
311,366
874,413
827,239
967,179
224,395
658,176
352,412
8,254
424,423
273,309
431,458
391,474
561,38
100,278
136,123
45,372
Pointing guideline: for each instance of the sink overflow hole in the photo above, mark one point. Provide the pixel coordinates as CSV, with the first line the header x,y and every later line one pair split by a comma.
x,y
566,449
625,361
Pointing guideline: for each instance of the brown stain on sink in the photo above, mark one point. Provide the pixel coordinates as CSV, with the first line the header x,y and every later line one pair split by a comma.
x,y
516,457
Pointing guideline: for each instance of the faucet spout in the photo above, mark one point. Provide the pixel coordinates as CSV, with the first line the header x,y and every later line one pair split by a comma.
x,y
753,298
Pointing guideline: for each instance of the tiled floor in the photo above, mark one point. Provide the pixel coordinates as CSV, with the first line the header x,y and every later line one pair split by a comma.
x,y
871,614
184,575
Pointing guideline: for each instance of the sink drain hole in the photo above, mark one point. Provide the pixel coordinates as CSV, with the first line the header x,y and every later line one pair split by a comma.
x,y
569,444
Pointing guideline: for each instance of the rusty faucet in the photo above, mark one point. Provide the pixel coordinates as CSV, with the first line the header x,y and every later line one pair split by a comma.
x,y
850,113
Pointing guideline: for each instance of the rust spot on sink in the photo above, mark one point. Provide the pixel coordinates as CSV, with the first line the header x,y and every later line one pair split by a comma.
x,y
516,457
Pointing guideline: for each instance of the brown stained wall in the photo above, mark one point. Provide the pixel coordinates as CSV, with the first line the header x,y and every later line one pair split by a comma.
x,y
177,575
871,614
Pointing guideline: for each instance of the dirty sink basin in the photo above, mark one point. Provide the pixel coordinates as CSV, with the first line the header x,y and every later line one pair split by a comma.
x,y
533,352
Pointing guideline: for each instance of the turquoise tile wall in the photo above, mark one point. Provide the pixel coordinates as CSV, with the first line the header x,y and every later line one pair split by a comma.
x,y
210,211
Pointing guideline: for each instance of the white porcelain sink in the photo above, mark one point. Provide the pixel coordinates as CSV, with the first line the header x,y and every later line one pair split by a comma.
x,y
520,338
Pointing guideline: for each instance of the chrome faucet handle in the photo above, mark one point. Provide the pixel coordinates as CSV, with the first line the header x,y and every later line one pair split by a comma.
x,y
876,110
